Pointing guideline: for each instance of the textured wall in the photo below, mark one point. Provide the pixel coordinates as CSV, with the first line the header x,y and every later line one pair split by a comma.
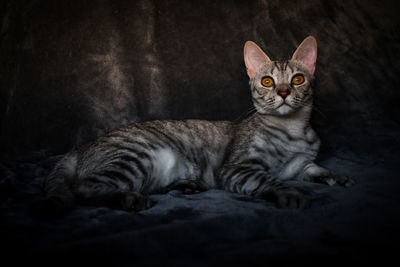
x,y
71,70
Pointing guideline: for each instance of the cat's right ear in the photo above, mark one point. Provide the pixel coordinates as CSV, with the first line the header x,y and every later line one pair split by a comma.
x,y
254,58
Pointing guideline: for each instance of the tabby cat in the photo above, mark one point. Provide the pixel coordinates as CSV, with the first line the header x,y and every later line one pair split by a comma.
x,y
252,157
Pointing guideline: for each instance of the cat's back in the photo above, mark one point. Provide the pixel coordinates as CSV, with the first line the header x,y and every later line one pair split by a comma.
x,y
189,132
187,138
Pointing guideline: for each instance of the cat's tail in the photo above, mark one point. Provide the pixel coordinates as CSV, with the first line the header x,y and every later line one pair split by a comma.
x,y
58,197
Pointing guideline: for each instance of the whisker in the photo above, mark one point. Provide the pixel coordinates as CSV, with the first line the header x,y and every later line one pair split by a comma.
x,y
319,111
314,108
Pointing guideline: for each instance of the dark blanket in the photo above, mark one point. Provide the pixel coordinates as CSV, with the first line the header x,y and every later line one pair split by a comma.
x,y
358,224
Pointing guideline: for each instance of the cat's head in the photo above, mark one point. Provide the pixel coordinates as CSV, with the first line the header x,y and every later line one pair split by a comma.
x,y
281,87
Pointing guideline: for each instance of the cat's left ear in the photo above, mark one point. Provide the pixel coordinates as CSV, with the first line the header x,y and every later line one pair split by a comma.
x,y
306,53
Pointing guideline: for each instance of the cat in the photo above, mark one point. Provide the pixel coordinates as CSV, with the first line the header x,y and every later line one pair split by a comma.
x,y
252,157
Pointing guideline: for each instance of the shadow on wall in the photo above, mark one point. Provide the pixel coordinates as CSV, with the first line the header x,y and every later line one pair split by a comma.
x,y
72,70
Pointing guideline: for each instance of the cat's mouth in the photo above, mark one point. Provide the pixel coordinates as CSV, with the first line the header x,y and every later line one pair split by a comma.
x,y
284,103
284,108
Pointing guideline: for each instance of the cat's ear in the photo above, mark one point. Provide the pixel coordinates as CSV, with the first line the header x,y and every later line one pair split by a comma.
x,y
306,53
254,58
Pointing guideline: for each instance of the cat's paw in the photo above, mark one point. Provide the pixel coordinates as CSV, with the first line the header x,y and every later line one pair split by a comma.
x,y
331,179
287,198
191,188
318,174
186,186
291,198
133,201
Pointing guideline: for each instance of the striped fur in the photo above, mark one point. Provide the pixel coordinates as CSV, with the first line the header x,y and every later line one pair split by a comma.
x,y
253,157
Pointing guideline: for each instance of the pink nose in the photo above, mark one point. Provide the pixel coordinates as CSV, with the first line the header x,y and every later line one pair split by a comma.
x,y
283,93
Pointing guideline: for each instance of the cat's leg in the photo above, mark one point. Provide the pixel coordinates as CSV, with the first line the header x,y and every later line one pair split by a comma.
x,y
94,191
317,174
260,184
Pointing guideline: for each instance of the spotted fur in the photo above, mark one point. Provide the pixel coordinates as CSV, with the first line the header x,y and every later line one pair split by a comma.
x,y
253,157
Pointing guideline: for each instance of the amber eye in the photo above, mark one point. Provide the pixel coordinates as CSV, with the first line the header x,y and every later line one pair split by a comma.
x,y
298,79
267,81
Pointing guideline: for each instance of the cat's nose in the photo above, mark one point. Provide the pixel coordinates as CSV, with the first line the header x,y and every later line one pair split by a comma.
x,y
283,93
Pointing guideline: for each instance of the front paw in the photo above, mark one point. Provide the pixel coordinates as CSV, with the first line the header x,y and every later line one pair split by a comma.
x,y
331,179
287,198
186,186
133,201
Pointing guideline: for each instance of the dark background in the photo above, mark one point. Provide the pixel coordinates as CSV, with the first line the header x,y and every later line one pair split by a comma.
x,y
73,70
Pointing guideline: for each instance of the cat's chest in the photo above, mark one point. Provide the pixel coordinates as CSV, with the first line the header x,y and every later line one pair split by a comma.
x,y
281,143
284,153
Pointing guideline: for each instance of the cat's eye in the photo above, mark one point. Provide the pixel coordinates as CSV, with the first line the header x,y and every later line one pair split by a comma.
x,y
267,81
298,79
